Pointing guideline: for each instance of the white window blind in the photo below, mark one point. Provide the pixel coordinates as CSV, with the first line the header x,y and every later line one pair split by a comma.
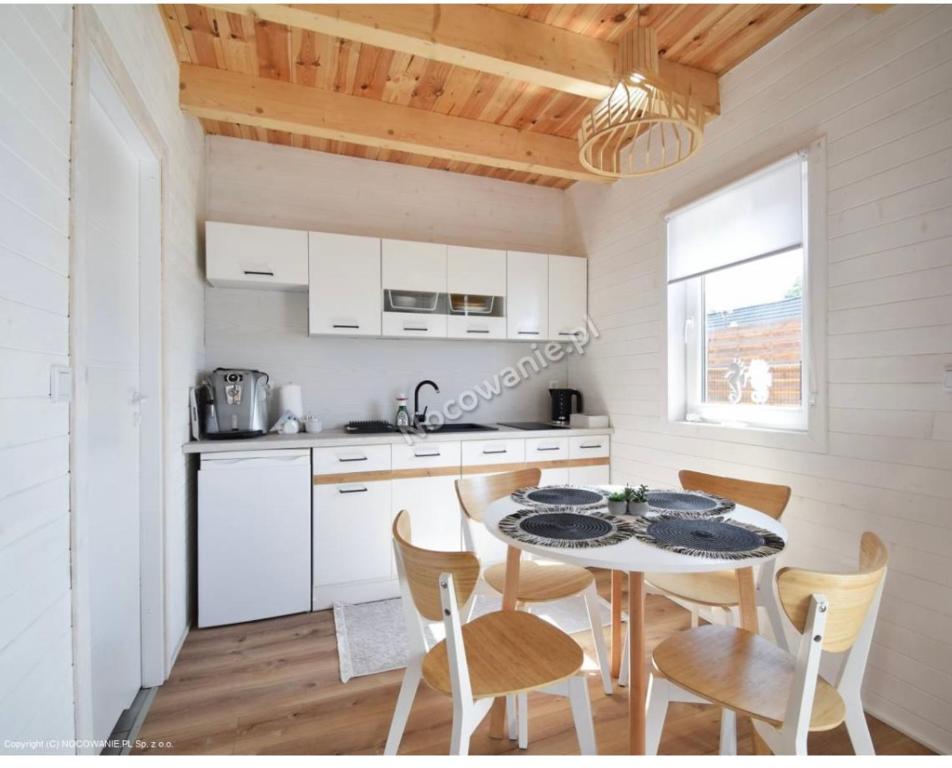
x,y
757,216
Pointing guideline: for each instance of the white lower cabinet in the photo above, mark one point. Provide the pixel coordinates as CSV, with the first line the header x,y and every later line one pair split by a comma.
x,y
434,511
351,535
597,475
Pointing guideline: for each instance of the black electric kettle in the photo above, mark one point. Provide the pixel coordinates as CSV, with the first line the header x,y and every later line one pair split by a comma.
x,y
562,404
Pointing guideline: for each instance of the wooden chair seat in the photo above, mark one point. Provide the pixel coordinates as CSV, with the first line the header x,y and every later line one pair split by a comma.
x,y
507,652
743,672
716,589
541,582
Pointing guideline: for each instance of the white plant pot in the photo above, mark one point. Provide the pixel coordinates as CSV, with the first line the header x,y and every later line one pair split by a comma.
x,y
638,508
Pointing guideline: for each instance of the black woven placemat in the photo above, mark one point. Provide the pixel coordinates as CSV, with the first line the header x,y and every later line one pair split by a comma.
x,y
566,527
688,504
716,539
548,496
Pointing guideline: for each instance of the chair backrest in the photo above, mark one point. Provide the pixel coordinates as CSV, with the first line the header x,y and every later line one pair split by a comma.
x,y
764,497
849,595
477,493
422,569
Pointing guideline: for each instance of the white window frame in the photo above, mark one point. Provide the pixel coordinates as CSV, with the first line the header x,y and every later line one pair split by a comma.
x,y
771,425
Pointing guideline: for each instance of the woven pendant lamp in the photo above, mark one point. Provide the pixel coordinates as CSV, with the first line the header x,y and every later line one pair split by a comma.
x,y
643,126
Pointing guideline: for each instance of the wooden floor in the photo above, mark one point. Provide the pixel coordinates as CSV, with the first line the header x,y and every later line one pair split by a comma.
x,y
273,687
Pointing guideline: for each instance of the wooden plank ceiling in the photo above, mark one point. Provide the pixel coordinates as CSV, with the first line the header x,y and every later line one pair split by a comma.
x,y
712,38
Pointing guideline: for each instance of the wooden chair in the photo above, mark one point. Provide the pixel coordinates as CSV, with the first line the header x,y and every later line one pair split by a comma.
x,y
499,654
719,590
783,693
539,582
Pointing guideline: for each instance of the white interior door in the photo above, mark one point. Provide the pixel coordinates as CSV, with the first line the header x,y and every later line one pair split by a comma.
x,y
111,399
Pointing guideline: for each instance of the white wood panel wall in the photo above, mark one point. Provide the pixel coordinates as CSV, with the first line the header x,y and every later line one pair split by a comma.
x,y
879,86
36,676
250,182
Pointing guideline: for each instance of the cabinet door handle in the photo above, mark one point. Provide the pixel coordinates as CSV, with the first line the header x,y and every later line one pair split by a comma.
x,y
528,333
553,448
409,328
260,273
568,333
352,490
501,450
355,458
345,325
591,445
425,455
477,330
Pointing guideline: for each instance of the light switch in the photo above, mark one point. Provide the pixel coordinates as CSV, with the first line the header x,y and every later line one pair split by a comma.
x,y
61,383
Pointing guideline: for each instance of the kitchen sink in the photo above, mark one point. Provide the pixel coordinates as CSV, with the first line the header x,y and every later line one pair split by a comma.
x,y
461,427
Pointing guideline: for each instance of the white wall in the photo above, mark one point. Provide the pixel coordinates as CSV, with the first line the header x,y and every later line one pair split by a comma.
x,y
254,183
878,87
36,677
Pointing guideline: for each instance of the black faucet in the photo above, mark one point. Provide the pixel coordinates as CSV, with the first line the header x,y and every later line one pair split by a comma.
x,y
419,417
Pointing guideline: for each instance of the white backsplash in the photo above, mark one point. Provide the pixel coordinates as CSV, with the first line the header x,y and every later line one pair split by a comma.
x,y
352,378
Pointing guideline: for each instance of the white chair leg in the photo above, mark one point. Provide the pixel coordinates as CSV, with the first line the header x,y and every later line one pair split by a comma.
x,y
523,719
695,616
857,727
659,691
582,715
598,634
462,730
728,732
623,669
408,689
511,724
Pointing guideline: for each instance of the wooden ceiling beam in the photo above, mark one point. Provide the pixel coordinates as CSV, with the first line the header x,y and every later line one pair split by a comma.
x,y
217,94
484,39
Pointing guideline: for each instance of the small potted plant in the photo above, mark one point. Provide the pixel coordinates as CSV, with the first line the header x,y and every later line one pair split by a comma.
x,y
637,500
618,503
631,501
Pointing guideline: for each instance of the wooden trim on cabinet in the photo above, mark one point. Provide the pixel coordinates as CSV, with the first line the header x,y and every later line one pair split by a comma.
x,y
474,469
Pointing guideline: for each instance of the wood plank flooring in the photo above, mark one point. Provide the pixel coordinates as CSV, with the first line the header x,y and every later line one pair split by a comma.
x,y
273,687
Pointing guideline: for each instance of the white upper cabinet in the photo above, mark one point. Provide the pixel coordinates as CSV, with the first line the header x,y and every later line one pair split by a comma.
x,y
412,266
344,293
414,289
568,295
475,271
242,256
527,310
476,282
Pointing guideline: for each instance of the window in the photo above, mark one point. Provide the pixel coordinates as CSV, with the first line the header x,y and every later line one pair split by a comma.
x,y
738,303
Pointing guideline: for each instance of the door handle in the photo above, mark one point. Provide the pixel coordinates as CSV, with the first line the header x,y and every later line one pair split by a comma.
x,y
345,325
407,328
591,445
477,330
352,490
553,448
425,455
356,458
528,333
490,453
258,273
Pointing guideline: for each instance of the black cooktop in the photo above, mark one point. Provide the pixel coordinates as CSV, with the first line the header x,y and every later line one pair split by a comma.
x,y
533,425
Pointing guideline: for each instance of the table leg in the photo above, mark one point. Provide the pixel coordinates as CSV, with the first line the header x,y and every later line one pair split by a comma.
x,y
748,599
617,577
497,716
749,620
637,677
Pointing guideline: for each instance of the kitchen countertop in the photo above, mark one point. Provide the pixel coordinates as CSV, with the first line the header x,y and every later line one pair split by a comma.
x,y
331,438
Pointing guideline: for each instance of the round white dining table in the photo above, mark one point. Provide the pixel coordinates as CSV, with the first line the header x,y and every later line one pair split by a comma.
x,y
635,558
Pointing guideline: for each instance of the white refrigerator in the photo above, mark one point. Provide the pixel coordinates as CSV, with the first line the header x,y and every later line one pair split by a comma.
x,y
254,535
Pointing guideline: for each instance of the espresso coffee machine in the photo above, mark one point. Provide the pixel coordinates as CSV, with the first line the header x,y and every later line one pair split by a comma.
x,y
238,407
562,404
